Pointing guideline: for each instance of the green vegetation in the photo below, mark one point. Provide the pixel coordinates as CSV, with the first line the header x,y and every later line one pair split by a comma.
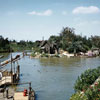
x,y
66,40
8,45
86,79
33,54
78,96
92,93
4,45
87,86
22,45
44,55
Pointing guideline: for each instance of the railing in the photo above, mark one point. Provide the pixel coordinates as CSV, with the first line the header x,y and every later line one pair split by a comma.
x,y
8,61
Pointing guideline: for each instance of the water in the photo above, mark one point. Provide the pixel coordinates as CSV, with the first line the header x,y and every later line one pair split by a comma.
x,y
54,78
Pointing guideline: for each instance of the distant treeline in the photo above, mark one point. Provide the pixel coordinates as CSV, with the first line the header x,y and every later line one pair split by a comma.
x,y
7,45
4,45
66,40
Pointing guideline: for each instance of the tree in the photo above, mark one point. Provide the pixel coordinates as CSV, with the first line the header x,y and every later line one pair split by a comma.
x,y
95,40
77,47
4,44
67,36
55,39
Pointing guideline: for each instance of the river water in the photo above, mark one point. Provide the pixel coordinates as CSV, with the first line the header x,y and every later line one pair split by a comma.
x,y
54,78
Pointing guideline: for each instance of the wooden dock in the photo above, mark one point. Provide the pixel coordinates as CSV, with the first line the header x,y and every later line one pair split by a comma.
x,y
10,77
5,80
19,96
13,93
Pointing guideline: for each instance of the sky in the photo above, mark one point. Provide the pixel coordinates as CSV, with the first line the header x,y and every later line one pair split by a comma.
x,y
35,19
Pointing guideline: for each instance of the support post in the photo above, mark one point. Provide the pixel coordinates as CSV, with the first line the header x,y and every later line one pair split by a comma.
x,y
30,91
18,70
11,70
7,93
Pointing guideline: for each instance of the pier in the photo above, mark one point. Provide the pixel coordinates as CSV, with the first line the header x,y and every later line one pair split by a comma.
x,y
10,79
11,93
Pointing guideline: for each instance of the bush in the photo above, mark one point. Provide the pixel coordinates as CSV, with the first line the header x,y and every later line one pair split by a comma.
x,y
92,93
78,96
33,54
88,85
44,55
87,78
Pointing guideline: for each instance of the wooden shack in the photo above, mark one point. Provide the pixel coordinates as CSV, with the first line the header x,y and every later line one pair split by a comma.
x,y
50,48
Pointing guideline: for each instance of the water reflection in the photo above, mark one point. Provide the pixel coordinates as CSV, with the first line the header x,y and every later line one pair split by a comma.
x,y
65,62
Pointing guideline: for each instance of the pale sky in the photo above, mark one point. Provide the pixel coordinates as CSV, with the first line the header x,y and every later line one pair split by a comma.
x,y
34,19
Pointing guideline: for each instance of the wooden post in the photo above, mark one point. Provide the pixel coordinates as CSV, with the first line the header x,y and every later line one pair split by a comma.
x,y
29,91
14,78
11,70
23,54
7,93
18,72
14,66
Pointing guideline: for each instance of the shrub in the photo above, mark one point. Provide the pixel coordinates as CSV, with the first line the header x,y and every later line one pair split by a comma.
x,y
33,54
87,78
93,93
44,55
78,96
88,85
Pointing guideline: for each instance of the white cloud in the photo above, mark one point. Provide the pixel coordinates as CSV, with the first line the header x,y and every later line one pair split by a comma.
x,y
64,13
45,13
86,10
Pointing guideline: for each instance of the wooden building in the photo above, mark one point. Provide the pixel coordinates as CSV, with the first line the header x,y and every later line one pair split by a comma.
x,y
50,48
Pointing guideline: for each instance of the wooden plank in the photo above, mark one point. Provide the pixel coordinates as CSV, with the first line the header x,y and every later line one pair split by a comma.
x,y
19,96
5,80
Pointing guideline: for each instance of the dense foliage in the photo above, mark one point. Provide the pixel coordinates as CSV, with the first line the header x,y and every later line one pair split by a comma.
x,y
4,45
8,45
78,96
86,79
68,40
87,86
21,45
92,93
